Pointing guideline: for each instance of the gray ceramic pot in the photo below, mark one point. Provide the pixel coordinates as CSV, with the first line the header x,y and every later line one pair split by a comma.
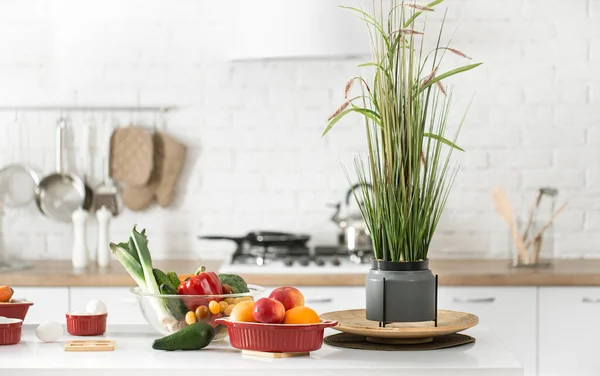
x,y
400,292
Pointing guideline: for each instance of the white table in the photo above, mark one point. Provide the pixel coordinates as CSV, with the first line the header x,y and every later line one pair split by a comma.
x,y
134,356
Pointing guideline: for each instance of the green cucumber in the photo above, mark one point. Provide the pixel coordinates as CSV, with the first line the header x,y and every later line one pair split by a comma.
x,y
192,337
174,305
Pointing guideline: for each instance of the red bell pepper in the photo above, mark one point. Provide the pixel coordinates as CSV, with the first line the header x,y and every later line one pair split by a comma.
x,y
201,283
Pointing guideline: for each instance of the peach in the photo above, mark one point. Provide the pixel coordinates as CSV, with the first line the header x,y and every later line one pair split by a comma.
x,y
289,296
268,311
243,312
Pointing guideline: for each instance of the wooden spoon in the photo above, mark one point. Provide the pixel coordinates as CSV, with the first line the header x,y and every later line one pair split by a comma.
x,y
504,208
546,225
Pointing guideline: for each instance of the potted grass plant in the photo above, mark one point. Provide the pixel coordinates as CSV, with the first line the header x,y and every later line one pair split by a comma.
x,y
405,107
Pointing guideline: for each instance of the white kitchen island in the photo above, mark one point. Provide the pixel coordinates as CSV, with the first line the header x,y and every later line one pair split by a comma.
x,y
134,356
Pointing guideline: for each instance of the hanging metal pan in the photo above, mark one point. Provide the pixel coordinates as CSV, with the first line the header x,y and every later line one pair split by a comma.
x,y
59,194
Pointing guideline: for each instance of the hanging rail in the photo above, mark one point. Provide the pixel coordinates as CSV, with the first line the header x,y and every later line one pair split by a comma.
x,y
90,108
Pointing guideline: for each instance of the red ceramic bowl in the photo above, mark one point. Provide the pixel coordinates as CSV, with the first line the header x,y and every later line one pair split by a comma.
x,y
15,309
276,337
86,325
10,332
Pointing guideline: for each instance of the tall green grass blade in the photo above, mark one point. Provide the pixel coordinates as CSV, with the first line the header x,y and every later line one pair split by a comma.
x,y
405,125
448,74
443,140
417,14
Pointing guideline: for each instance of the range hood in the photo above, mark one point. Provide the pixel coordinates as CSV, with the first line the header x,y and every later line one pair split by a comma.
x,y
302,29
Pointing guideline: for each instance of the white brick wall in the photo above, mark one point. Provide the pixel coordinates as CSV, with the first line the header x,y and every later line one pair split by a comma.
x,y
257,160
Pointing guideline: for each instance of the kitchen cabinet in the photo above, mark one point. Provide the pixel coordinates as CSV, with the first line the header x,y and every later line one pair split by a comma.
x,y
568,322
511,312
122,305
49,303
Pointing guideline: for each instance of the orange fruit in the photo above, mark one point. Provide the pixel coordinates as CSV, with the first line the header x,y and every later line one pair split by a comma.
x,y
301,315
243,312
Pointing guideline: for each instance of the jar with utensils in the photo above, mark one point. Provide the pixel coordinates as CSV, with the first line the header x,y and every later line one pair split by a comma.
x,y
530,235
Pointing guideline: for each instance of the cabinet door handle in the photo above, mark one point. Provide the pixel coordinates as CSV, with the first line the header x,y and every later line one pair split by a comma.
x,y
588,300
319,300
475,300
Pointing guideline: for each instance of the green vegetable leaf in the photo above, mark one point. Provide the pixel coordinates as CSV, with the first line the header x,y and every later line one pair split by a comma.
x,y
132,250
174,279
130,264
448,74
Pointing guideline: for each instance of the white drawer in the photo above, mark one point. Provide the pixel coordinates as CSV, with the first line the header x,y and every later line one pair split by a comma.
x,y
122,306
511,312
327,299
49,303
568,331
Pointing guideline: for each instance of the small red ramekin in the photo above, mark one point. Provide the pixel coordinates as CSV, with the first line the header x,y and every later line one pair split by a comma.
x,y
276,337
15,309
10,333
86,325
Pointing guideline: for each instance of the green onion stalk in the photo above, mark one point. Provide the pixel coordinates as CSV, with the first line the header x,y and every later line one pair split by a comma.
x,y
135,258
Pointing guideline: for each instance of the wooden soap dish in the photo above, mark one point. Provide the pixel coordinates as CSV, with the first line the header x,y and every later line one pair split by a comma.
x,y
90,345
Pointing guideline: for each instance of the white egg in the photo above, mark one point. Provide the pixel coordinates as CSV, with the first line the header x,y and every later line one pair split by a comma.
x,y
78,313
95,307
4,320
49,331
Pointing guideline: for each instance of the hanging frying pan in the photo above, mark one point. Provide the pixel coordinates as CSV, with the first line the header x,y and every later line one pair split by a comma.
x,y
59,194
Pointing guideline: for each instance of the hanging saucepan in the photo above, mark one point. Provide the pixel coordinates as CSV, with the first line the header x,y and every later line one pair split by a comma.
x,y
59,194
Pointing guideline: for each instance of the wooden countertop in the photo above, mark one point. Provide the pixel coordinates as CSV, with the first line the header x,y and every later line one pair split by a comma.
x,y
451,273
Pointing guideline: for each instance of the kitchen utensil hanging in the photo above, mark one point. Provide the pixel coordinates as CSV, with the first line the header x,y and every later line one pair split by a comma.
x,y
131,155
18,181
59,194
169,156
106,193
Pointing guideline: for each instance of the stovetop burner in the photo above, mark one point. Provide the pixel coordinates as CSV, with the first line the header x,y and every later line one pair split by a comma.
x,y
319,256
265,248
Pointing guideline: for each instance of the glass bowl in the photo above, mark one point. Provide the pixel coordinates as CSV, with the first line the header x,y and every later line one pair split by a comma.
x,y
157,309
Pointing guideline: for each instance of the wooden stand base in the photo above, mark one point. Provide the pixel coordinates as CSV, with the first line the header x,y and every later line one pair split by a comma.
x,y
398,341
273,354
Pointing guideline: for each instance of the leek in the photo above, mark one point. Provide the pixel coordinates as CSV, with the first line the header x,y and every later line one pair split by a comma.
x,y
135,258
130,264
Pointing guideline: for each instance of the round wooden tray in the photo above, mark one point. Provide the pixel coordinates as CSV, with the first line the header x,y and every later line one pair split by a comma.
x,y
355,322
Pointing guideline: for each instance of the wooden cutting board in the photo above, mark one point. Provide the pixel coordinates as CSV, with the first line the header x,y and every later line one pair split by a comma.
x,y
90,345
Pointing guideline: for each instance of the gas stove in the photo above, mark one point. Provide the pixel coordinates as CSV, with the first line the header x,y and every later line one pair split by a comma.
x,y
303,260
